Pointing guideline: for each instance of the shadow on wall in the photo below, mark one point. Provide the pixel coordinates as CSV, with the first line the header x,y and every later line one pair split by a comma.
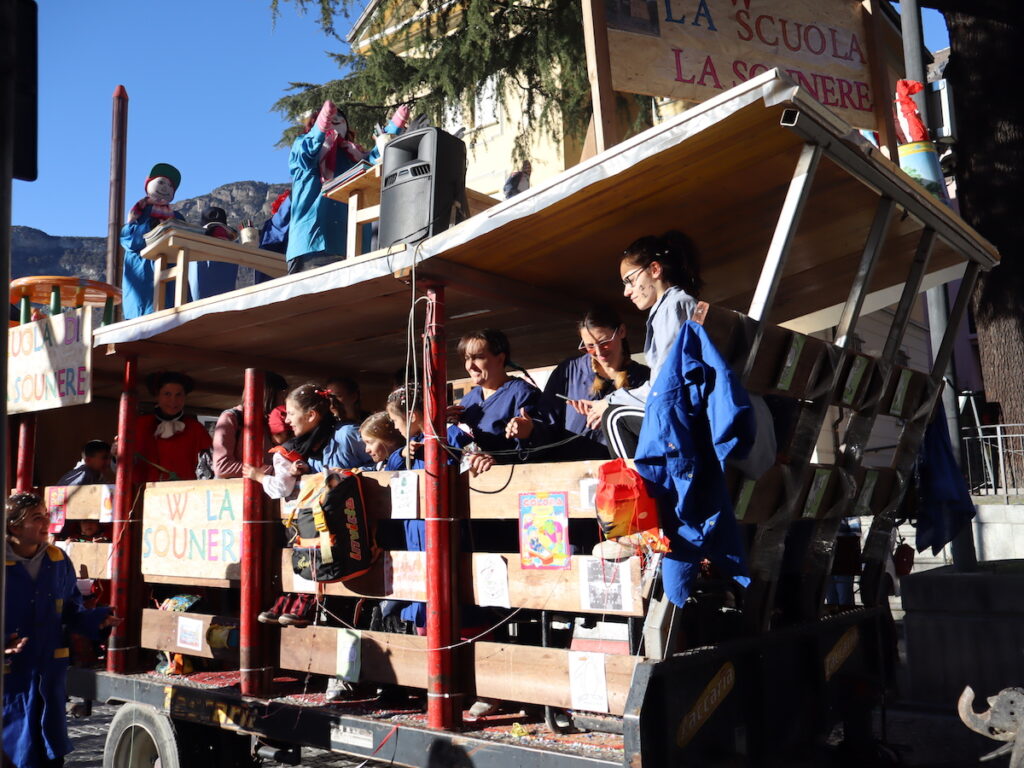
x,y
444,754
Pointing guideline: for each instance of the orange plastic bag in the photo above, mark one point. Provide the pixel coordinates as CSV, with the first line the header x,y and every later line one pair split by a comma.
x,y
624,508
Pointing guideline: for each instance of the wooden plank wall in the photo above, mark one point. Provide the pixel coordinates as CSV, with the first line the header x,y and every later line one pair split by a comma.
x,y
513,672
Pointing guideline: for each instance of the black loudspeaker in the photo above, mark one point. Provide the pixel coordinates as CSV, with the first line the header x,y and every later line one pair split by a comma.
x,y
424,189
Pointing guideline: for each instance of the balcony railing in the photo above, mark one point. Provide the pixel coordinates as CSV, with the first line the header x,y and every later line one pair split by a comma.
x,y
993,458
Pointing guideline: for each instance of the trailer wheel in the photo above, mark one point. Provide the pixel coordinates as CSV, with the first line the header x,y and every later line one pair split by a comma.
x,y
141,737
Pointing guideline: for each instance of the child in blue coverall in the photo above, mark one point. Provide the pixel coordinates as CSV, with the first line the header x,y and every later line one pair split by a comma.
x,y
43,607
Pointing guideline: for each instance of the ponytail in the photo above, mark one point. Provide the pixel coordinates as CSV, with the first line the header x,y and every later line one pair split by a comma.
x,y
677,255
314,397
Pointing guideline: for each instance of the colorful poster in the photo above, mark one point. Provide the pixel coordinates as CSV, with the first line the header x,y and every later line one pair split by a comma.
x,y
544,530
57,505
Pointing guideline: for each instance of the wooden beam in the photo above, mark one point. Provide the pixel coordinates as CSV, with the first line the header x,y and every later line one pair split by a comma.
x,y
599,70
161,631
400,575
227,359
520,673
488,286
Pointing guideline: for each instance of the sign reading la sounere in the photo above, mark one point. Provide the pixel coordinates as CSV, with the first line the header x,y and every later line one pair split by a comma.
x,y
49,364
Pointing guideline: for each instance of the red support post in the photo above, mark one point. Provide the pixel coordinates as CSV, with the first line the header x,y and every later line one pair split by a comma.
x,y
26,451
255,674
121,650
443,700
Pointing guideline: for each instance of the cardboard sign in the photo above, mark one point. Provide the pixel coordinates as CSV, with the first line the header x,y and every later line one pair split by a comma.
x,y
490,577
544,530
49,362
192,529
695,49
605,585
189,633
349,656
588,683
106,503
404,495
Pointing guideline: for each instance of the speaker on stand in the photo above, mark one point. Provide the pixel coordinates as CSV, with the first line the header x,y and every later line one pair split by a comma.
x,y
424,186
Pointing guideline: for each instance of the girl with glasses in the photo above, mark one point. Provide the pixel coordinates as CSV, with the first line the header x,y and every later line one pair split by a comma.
x,y
603,367
659,274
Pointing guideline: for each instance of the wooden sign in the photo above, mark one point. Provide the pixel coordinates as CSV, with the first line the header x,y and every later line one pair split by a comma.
x,y
695,49
192,530
49,362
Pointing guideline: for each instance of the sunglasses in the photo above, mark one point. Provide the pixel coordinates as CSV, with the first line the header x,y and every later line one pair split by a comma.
x,y
604,346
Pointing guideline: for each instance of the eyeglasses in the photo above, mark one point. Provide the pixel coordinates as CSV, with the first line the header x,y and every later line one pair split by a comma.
x,y
627,281
604,346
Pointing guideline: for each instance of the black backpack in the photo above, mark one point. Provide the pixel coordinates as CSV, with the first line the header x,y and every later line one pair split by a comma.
x,y
331,535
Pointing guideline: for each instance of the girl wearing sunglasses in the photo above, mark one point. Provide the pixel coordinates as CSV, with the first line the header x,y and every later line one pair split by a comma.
x,y
658,274
603,367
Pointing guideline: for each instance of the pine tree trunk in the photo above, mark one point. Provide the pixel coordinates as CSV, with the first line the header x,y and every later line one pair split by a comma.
x,y
985,79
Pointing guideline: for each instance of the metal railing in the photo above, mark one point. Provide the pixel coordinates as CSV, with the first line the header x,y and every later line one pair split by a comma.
x,y
993,459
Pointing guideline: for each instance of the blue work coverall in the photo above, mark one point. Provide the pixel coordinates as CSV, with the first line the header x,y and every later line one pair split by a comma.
x,y
697,415
44,610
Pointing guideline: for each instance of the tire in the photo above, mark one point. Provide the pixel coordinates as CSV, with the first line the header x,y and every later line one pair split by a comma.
x,y
141,737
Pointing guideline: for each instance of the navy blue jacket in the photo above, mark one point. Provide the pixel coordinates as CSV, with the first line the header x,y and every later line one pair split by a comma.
x,y
488,418
697,415
574,378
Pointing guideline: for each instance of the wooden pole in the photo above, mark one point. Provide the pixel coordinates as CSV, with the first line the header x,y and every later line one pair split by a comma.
x,y
115,204
599,70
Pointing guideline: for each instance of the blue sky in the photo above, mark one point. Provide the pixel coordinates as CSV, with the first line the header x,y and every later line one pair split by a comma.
x,y
201,77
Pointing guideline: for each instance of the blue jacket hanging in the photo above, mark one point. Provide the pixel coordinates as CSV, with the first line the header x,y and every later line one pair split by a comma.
x,y
946,505
697,415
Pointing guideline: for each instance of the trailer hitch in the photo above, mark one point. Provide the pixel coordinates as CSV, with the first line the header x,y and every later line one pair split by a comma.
x,y
1001,722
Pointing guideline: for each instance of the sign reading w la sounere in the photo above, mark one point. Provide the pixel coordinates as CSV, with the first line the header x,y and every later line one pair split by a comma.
x,y
49,364
695,49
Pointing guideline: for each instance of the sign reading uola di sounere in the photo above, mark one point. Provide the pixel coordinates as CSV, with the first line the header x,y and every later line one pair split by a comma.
x,y
49,362
695,49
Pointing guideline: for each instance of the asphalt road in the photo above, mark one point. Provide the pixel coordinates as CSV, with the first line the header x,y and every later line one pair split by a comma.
x,y
89,734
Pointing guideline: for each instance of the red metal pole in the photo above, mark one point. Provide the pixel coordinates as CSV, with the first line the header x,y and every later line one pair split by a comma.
x,y
443,703
26,451
255,675
121,649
